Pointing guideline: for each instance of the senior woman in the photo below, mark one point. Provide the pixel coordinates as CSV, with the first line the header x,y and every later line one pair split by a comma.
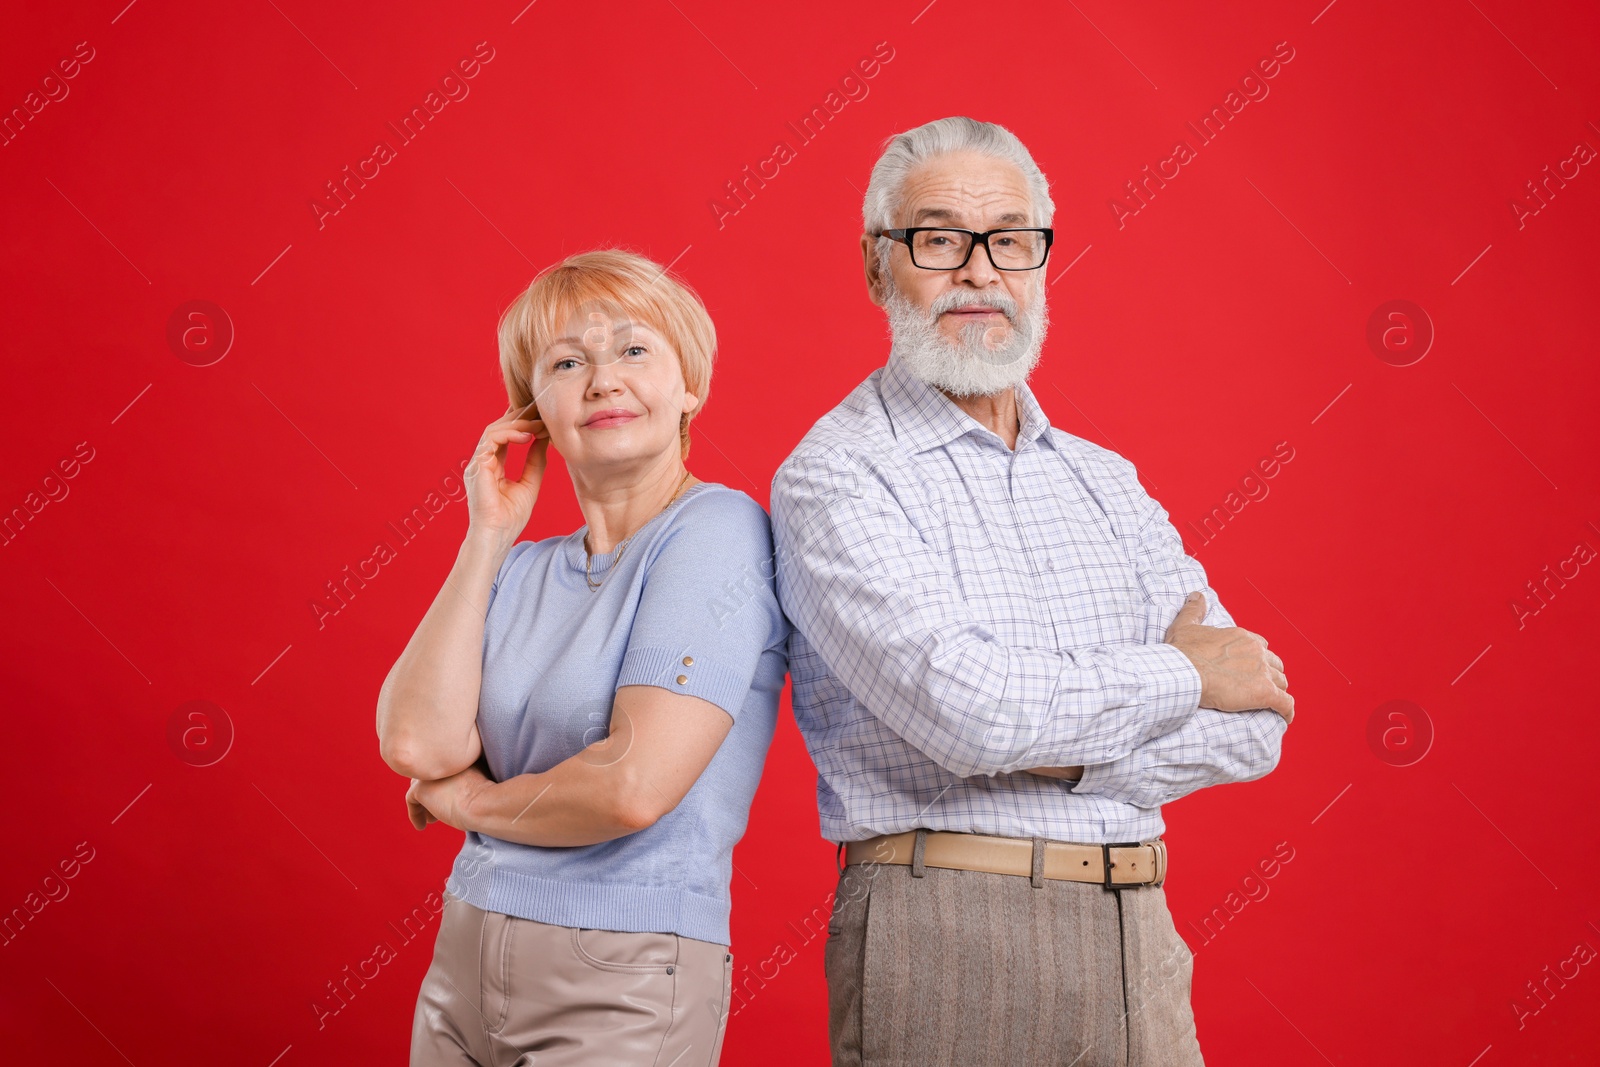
x,y
619,684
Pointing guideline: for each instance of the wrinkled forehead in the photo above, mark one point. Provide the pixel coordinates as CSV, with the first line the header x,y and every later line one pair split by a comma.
x,y
967,190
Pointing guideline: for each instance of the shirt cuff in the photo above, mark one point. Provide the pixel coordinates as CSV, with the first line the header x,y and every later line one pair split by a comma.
x,y
1171,690
1116,780
683,672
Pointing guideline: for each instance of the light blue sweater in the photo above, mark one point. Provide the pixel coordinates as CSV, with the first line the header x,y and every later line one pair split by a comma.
x,y
691,598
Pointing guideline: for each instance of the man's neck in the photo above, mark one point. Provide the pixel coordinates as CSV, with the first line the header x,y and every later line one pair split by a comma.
x,y
998,412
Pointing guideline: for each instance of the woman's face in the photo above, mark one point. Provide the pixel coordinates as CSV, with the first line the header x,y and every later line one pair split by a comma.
x,y
610,392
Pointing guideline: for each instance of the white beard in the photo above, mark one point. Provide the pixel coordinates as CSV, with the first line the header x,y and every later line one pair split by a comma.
x,y
977,363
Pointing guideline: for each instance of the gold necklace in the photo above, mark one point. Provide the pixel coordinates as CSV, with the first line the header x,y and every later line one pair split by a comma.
x,y
588,561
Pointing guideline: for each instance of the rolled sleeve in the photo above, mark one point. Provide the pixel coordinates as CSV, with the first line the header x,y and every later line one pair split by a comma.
x,y
708,609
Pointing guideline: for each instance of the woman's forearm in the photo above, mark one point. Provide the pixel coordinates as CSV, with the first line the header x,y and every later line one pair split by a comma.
x,y
428,706
580,801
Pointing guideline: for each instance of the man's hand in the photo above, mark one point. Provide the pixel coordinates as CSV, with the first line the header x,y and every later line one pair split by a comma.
x,y
444,800
1237,671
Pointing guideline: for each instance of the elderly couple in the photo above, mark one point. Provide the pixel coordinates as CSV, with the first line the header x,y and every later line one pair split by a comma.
x,y
1004,663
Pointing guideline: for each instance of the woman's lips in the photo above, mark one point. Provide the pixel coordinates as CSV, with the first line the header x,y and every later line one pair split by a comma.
x,y
608,420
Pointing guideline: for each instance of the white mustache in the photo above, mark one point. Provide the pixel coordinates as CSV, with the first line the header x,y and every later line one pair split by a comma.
x,y
949,301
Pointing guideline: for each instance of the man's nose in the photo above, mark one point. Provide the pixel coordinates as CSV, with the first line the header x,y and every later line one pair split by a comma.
x,y
979,269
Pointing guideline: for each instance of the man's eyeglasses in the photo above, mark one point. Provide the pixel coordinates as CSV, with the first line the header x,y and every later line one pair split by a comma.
x,y
944,249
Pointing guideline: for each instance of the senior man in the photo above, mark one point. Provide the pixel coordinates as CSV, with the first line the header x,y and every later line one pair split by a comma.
x,y
1004,662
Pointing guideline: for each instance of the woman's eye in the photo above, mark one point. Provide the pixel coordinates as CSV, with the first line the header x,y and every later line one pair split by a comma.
x,y
561,362
631,349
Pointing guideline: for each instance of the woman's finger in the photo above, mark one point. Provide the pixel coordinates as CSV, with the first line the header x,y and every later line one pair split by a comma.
x,y
419,813
504,431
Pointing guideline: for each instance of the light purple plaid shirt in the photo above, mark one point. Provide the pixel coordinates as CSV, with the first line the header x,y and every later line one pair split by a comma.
x,y
963,611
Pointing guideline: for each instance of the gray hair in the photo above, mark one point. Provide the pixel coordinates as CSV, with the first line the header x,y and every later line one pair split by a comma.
x,y
904,152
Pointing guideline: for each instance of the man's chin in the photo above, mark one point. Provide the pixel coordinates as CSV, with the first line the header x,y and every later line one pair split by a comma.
x,y
965,337
954,374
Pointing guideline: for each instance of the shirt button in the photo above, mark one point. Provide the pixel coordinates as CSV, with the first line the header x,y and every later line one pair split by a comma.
x,y
683,679
688,661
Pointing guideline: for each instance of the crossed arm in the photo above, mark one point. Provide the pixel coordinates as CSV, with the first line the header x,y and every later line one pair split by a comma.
x,y
1211,747
882,610
659,743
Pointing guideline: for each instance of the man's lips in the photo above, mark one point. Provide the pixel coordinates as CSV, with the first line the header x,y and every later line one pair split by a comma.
x,y
974,309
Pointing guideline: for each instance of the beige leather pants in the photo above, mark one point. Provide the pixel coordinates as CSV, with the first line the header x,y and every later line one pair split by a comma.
x,y
509,992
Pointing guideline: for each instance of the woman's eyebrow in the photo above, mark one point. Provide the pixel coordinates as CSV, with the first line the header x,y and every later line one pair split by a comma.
x,y
621,326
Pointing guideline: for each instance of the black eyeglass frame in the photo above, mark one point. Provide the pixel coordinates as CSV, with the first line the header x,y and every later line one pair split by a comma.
x,y
904,235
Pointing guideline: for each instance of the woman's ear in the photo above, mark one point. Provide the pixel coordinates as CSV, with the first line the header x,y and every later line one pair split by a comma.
x,y
690,402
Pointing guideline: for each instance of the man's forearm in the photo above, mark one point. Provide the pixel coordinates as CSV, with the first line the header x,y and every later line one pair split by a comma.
x,y
1069,774
1214,748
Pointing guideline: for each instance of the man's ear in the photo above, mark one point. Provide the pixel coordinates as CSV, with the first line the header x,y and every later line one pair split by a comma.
x,y
869,261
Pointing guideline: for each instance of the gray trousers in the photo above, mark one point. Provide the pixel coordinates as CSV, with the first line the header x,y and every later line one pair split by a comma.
x,y
509,992
968,968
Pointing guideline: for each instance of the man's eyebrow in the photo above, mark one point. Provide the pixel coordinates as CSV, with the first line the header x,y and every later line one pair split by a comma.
x,y
940,214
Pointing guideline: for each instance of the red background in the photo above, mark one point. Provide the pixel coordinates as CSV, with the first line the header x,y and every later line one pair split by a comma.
x,y
1227,315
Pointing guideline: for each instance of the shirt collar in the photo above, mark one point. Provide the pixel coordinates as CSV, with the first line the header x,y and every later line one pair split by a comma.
x,y
924,418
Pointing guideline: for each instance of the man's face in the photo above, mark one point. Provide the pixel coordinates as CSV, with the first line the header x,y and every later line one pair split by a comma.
x,y
976,329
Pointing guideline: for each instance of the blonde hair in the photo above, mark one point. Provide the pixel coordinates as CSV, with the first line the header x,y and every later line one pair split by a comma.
x,y
620,281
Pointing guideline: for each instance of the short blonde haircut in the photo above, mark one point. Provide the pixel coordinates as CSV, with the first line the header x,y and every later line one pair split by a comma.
x,y
621,282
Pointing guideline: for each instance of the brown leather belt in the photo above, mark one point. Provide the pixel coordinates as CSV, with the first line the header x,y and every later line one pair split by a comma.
x,y
1113,866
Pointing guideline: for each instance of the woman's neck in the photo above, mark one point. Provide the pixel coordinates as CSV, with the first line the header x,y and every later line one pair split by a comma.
x,y
616,506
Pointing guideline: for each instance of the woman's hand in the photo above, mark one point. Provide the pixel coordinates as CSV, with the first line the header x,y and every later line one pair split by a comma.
x,y
495,505
445,800
420,816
